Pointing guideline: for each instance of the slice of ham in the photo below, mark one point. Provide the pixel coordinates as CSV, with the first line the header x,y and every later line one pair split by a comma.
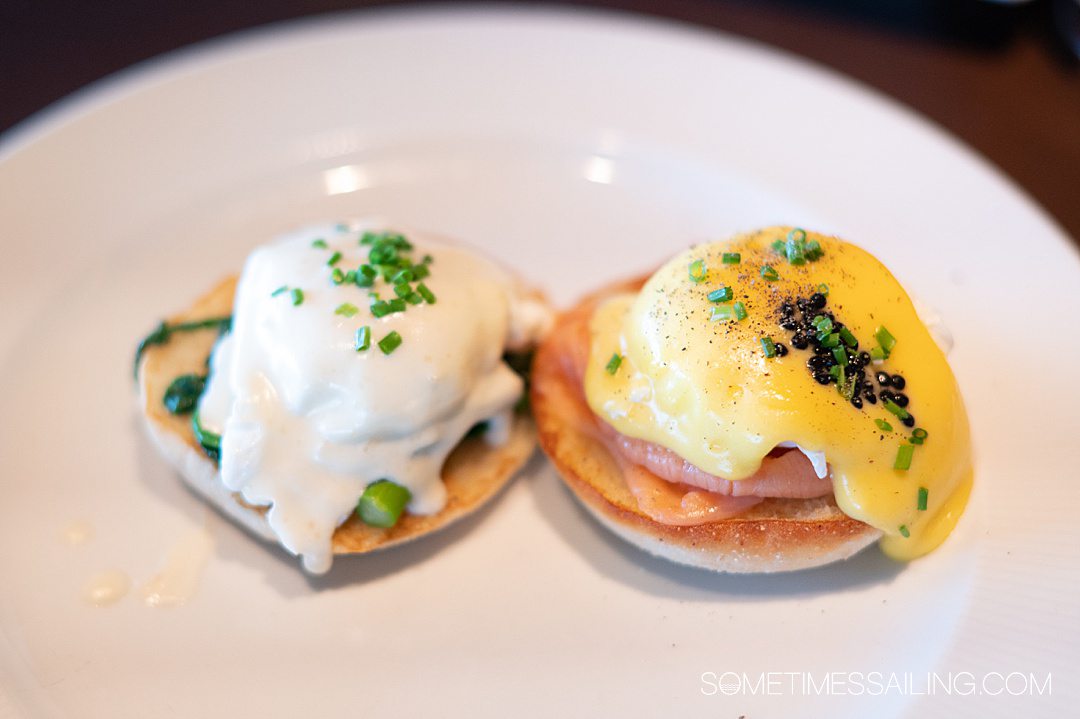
x,y
668,488
784,472
679,504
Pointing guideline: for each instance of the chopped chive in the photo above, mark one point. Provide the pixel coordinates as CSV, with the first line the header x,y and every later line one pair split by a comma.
x,y
367,271
883,425
731,258
279,290
697,271
363,338
885,339
297,296
845,386
920,433
390,342
904,531
830,340
822,323
419,272
414,299
337,276
849,339
403,290
916,440
814,251
346,309
350,277
427,294
368,238
769,273
740,311
877,354
383,254
823,289
835,371
403,276
722,312
613,364
778,246
396,305
768,346
795,247
924,494
904,454
334,259
724,294
382,503
319,244
896,409
428,259
841,356
380,308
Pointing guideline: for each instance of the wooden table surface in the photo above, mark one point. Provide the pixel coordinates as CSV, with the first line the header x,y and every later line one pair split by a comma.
x,y
995,76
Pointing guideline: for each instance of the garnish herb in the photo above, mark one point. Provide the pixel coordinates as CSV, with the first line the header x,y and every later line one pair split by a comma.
x,y
164,331
904,531
697,271
885,340
723,294
334,259
722,313
731,258
740,311
883,425
319,244
896,409
613,364
297,296
363,338
382,503
210,442
427,294
795,247
769,273
924,495
346,309
390,342
768,346
904,453
183,393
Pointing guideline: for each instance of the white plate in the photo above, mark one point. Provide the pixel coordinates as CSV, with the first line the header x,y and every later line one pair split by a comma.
x,y
579,148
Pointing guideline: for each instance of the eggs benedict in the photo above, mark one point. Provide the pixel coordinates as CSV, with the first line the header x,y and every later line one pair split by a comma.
x,y
769,403
354,389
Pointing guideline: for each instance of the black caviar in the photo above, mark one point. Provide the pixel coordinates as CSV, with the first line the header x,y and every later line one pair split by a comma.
x,y
836,358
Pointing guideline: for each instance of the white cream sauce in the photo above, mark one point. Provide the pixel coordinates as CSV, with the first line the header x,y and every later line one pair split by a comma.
x,y
178,579
78,532
307,422
105,588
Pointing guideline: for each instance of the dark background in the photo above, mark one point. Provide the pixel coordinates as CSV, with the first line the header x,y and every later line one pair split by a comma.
x,y
1001,77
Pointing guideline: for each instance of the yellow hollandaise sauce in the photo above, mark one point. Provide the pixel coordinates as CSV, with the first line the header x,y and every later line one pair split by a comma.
x,y
789,337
